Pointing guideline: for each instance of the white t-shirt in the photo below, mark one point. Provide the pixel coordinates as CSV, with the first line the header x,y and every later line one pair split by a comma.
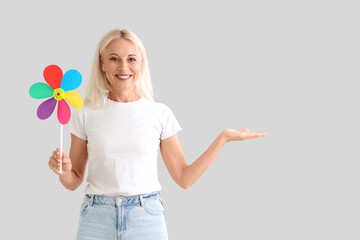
x,y
123,144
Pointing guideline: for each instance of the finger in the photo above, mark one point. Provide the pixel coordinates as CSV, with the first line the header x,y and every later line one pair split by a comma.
x,y
65,158
57,162
57,168
54,168
262,134
53,163
244,130
254,135
55,159
58,152
60,155
52,160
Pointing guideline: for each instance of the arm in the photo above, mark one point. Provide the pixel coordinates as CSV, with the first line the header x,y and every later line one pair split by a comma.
x,y
186,175
73,167
183,174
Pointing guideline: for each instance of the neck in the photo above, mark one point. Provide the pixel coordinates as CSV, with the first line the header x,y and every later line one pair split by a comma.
x,y
124,97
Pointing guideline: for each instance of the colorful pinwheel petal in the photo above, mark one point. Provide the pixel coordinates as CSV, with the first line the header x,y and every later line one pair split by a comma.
x,y
60,88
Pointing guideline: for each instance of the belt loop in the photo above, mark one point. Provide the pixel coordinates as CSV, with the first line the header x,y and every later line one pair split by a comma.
x,y
91,200
141,201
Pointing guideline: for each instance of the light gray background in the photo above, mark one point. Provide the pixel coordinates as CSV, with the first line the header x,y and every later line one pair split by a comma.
x,y
287,67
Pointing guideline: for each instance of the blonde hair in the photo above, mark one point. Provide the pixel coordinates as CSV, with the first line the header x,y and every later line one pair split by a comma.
x,y
97,89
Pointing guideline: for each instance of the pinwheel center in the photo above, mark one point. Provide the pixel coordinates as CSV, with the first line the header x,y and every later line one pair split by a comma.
x,y
59,94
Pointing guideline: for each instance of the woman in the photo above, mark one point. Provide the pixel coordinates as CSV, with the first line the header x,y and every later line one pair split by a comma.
x,y
119,132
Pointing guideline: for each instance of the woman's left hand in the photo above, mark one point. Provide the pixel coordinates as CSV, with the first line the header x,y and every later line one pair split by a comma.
x,y
241,134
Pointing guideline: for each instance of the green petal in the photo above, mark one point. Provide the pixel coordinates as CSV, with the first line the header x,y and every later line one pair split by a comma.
x,y
41,90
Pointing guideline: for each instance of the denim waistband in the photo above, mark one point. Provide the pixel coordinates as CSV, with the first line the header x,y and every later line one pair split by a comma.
x,y
94,199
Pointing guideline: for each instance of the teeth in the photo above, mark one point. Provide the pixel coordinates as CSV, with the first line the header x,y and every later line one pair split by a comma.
x,y
124,77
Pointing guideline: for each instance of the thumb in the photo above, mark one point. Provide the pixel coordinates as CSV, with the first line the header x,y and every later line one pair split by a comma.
x,y
65,158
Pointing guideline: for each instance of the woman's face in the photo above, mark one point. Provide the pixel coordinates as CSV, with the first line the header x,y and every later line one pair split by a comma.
x,y
122,64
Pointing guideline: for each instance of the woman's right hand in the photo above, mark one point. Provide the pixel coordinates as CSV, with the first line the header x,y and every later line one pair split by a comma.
x,y
54,162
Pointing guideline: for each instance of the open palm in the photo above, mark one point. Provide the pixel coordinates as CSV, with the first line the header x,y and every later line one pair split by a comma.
x,y
242,134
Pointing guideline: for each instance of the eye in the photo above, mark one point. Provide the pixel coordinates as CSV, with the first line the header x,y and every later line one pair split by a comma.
x,y
114,59
132,59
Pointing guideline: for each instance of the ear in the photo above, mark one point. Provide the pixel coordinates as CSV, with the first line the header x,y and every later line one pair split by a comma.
x,y
101,64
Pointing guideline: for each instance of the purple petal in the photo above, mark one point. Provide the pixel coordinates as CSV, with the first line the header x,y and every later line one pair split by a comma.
x,y
46,108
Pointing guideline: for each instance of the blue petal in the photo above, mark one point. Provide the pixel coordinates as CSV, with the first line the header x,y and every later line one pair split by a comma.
x,y
71,80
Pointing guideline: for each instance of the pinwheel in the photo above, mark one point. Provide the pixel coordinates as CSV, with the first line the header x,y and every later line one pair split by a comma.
x,y
59,88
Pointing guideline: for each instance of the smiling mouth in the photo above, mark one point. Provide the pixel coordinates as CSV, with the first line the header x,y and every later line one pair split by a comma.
x,y
123,77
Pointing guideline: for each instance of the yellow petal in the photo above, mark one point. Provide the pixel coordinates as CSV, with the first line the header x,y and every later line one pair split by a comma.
x,y
74,98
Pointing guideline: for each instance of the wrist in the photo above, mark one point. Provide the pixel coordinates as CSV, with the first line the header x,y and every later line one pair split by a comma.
x,y
223,138
65,174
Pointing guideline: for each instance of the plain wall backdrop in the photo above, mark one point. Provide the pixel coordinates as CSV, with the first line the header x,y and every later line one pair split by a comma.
x,y
290,68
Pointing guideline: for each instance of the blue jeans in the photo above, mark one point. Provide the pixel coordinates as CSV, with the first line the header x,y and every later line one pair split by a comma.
x,y
122,218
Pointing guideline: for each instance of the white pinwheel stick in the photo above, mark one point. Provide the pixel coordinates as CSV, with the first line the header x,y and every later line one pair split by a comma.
x,y
61,145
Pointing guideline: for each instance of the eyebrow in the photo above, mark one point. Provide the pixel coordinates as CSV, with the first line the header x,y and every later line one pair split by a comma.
x,y
117,55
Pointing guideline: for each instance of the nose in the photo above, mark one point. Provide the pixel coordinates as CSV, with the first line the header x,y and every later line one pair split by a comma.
x,y
122,65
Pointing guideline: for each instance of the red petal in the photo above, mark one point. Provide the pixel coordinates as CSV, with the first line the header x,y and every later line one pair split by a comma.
x,y
53,76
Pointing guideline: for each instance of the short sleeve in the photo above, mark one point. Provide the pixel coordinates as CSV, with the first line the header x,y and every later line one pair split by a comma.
x,y
77,124
168,122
